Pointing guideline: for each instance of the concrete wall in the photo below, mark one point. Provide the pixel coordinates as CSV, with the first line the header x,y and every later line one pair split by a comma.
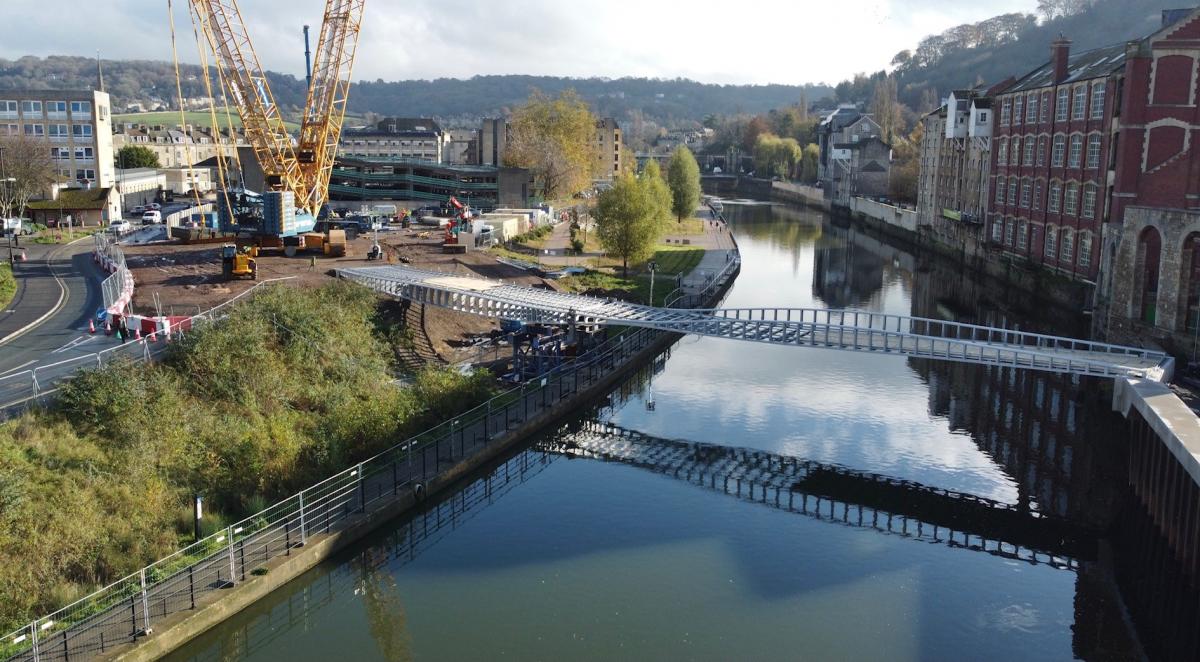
x,y
899,217
799,193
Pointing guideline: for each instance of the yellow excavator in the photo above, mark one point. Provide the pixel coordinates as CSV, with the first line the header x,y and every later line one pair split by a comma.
x,y
238,262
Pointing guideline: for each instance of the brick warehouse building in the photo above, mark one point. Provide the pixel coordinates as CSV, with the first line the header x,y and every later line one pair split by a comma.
x,y
1051,160
1154,242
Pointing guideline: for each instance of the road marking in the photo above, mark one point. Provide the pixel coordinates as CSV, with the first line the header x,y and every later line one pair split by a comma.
x,y
27,363
74,343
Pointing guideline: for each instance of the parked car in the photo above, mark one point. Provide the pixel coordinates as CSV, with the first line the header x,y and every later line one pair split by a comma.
x,y
151,216
154,205
138,210
118,227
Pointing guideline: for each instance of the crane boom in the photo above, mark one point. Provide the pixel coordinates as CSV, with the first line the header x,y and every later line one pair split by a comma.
x,y
328,93
303,169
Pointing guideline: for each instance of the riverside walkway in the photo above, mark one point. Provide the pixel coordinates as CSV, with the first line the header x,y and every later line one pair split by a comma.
x,y
847,330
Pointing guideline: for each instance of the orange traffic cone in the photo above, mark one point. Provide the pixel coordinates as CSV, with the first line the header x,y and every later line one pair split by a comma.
x,y
153,337
107,329
91,326
137,333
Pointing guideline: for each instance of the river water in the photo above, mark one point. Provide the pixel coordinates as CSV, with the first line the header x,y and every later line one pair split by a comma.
x,y
552,555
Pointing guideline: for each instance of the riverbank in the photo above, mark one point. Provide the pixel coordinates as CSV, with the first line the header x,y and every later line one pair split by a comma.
x,y
258,554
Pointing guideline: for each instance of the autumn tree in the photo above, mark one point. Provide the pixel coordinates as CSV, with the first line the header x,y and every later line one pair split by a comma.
x,y
25,171
775,156
659,192
136,156
683,176
886,109
625,220
555,138
906,166
809,163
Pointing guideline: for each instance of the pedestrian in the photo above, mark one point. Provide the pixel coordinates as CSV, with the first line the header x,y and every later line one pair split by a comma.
x,y
120,328
312,263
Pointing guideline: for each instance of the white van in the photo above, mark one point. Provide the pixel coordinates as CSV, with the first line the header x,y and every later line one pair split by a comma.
x,y
152,216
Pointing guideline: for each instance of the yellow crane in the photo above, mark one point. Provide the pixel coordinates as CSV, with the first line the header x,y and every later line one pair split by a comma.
x,y
297,172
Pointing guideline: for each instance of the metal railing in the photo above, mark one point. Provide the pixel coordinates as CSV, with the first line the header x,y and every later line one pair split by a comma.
x,y
128,609
35,385
117,289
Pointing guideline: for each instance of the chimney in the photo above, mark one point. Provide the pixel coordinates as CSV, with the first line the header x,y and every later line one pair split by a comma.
x,y
1060,55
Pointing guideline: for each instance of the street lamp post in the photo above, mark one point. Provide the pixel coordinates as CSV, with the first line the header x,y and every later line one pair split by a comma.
x,y
653,267
11,232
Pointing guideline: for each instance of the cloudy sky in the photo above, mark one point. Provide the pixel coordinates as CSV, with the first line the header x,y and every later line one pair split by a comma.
x,y
751,41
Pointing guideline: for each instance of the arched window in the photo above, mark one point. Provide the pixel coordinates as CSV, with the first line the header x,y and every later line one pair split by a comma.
x,y
1012,191
1010,226
1030,145
1014,150
1051,249
1071,199
1067,252
1149,255
1059,151
1000,189
1075,157
1026,192
1037,194
1041,151
1093,151
1055,203
1089,201
1001,151
1022,232
1085,249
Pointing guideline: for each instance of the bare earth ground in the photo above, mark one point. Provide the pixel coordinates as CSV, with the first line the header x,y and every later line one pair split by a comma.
x,y
187,279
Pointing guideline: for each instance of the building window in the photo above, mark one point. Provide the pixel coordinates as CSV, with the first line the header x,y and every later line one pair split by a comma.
x,y
1018,106
1010,226
1015,152
1030,145
8,108
81,130
997,229
1051,241
1075,157
1093,151
1056,155
58,131
1071,199
84,154
1001,151
10,130
1005,112
1089,201
1060,108
29,107
1078,104
1031,108
1055,202
1041,154
1037,195
81,107
36,130
1098,101
1012,191
1000,190
56,107
1068,245
1022,231
1045,107
1026,193
1085,249
85,174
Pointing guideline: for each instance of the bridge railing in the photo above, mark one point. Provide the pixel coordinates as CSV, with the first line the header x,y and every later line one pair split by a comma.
x,y
932,328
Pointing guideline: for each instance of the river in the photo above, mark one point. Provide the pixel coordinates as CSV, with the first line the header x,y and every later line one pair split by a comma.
x,y
553,555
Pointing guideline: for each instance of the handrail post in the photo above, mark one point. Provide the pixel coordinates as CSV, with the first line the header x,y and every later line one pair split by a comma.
x,y
145,602
303,524
33,636
232,563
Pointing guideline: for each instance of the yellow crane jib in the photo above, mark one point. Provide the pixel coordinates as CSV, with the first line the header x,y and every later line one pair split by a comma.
x,y
301,168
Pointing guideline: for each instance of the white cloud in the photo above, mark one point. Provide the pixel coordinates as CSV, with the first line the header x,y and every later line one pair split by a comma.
x,y
755,41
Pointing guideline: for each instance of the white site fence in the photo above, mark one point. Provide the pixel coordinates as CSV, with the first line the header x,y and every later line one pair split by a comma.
x,y
34,386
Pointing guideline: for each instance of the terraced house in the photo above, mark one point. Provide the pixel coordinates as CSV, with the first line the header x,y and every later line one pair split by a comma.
x,y
1054,138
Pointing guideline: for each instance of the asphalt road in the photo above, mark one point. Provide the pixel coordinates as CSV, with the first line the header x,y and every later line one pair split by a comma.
x,y
60,286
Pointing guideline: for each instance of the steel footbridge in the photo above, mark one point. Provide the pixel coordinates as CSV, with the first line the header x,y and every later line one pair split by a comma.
x,y
847,330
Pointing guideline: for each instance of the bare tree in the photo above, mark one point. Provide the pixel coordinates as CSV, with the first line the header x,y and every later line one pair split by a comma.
x,y
25,171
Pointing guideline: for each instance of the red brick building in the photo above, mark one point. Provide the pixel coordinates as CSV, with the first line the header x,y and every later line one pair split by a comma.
x,y
1154,240
1053,138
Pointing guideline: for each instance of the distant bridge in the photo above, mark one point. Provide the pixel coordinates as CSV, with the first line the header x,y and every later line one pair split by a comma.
x,y
802,327
841,495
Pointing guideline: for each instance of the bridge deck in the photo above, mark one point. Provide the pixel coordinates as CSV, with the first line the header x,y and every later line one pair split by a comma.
x,y
808,327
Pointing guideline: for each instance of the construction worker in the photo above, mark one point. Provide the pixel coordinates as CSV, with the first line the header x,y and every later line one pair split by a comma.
x,y
312,263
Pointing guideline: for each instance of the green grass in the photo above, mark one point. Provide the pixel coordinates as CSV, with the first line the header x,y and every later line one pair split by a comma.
x,y
689,227
49,236
8,286
635,289
677,259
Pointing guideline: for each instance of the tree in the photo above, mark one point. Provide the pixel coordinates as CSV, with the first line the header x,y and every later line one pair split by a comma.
x,y
886,109
683,176
809,163
556,140
136,156
906,167
775,156
25,171
625,221
659,192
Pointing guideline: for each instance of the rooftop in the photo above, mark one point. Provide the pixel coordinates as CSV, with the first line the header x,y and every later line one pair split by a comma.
x,y
1096,63
74,199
